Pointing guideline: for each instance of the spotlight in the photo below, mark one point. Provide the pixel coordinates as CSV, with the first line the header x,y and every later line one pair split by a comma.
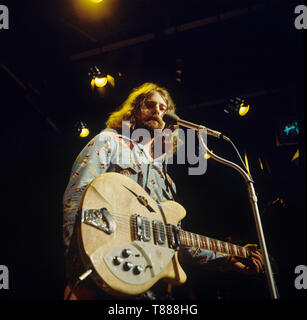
x,y
243,109
100,79
237,106
82,129
96,1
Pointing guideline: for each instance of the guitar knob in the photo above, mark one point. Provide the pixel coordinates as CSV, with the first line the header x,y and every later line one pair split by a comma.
x,y
126,253
128,266
117,260
137,269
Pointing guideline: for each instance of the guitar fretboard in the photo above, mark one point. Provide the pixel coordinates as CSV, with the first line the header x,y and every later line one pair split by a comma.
x,y
188,239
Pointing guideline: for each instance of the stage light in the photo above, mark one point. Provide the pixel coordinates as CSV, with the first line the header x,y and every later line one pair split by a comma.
x,y
111,80
237,106
296,155
100,81
261,164
84,132
243,109
82,129
96,1
99,78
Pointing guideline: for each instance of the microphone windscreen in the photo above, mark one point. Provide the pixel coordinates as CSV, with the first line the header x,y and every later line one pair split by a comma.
x,y
170,118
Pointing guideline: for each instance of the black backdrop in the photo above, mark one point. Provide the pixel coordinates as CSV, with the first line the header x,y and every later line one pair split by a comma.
x,y
259,54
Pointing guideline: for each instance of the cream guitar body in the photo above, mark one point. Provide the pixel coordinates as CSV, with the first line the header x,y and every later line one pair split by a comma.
x,y
130,242
122,236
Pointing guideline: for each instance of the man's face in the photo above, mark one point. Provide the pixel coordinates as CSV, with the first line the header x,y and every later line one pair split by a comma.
x,y
150,114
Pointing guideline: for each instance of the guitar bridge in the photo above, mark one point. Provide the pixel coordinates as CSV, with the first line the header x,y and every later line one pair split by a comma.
x,y
99,218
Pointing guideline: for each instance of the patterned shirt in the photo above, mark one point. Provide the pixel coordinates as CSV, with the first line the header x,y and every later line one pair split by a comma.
x,y
112,152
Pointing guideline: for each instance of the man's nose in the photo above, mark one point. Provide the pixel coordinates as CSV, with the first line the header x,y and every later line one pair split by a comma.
x,y
157,110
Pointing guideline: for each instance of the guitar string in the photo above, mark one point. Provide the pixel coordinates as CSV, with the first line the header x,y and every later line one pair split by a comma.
x,y
126,223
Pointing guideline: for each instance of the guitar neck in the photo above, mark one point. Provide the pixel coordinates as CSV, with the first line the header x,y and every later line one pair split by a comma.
x,y
188,239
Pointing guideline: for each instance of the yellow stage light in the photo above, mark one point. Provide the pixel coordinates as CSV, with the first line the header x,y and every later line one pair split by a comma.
x,y
296,155
100,82
96,1
261,165
111,80
243,109
237,107
84,132
82,129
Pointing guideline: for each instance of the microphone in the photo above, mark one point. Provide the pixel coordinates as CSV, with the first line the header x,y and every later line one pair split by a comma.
x,y
172,118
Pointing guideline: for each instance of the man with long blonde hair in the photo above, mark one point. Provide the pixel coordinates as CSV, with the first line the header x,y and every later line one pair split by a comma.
x,y
139,157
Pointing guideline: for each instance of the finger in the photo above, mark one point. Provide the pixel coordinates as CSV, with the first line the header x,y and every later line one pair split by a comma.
x,y
258,255
251,245
256,265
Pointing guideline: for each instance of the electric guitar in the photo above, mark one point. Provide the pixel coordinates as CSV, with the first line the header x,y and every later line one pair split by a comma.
x,y
130,241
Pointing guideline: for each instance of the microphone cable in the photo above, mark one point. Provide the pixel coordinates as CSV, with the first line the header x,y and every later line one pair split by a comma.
x,y
82,277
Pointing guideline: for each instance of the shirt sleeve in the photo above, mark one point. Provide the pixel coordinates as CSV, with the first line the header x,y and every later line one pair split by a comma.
x,y
206,258
92,161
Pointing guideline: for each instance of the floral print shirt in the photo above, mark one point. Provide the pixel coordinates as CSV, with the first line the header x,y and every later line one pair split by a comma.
x,y
112,152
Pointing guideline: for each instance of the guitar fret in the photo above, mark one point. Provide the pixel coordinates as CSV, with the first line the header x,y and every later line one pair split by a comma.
x,y
208,244
199,241
215,245
211,245
246,252
190,239
203,242
224,248
230,246
240,251
195,238
185,238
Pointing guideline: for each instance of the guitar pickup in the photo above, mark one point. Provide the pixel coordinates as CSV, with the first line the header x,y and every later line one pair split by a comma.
x,y
159,233
173,236
141,228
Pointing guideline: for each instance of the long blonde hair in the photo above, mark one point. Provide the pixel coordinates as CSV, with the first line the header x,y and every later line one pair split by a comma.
x,y
129,109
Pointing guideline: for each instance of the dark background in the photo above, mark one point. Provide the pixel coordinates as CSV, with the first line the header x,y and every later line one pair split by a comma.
x,y
249,49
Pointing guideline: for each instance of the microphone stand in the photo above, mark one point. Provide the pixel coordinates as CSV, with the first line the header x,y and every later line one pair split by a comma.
x,y
253,200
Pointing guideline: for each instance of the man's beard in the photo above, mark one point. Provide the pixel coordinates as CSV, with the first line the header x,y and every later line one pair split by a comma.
x,y
152,124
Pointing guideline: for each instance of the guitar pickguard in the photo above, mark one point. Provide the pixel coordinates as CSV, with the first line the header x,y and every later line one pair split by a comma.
x,y
137,262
